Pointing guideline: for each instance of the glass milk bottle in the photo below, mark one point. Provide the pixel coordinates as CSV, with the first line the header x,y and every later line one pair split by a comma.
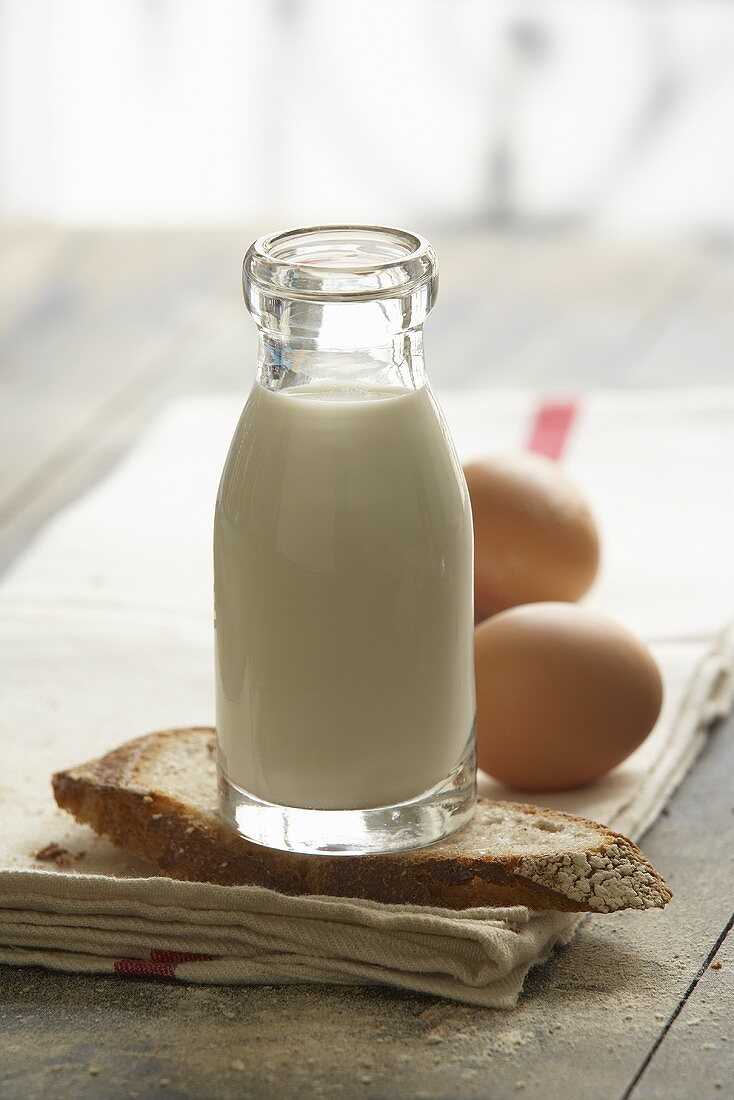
x,y
343,560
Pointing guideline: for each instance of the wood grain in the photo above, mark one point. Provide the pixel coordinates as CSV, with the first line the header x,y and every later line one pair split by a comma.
x,y
133,321
695,1054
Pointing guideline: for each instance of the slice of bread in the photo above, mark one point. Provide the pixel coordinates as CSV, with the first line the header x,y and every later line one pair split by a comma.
x,y
157,797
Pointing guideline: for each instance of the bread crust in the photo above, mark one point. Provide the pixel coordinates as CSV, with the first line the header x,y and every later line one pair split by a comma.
x,y
136,796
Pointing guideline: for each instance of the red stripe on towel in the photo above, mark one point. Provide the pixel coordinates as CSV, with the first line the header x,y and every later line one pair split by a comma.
x,y
551,427
161,964
144,968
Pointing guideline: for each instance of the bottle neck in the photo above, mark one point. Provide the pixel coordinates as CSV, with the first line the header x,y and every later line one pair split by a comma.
x,y
340,306
287,362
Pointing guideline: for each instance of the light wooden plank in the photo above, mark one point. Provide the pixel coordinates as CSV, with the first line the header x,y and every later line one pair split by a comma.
x,y
28,259
94,374
95,331
698,344
696,1055
564,314
213,351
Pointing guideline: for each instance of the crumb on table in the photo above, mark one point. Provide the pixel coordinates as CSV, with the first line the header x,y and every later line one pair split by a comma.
x,y
54,853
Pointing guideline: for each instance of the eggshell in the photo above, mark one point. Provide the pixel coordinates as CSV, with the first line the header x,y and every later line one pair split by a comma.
x,y
563,695
534,535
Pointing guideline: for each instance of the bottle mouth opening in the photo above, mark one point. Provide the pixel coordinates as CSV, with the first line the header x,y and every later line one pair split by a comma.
x,y
339,263
342,248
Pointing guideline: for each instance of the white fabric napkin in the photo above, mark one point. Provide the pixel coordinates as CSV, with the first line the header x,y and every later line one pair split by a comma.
x,y
105,628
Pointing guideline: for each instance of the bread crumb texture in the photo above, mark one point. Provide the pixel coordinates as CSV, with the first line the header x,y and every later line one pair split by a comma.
x,y
615,877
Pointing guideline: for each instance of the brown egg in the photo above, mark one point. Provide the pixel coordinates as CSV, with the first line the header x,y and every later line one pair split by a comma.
x,y
534,536
563,695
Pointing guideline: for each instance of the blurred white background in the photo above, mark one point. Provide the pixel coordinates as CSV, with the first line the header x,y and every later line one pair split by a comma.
x,y
614,115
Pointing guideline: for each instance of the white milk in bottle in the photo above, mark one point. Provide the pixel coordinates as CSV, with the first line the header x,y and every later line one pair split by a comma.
x,y
343,560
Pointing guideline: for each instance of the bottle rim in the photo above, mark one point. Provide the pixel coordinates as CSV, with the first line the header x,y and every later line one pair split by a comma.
x,y
339,263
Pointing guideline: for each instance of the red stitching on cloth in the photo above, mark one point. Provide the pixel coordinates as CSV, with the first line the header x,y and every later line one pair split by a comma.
x,y
551,428
160,964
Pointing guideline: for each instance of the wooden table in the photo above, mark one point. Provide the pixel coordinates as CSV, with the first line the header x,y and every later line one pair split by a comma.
x,y
98,330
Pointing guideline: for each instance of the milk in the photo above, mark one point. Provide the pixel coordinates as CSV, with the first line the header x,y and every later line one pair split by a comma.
x,y
343,598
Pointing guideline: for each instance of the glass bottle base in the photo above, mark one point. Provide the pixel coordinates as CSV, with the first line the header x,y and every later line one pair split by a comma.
x,y
423,820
